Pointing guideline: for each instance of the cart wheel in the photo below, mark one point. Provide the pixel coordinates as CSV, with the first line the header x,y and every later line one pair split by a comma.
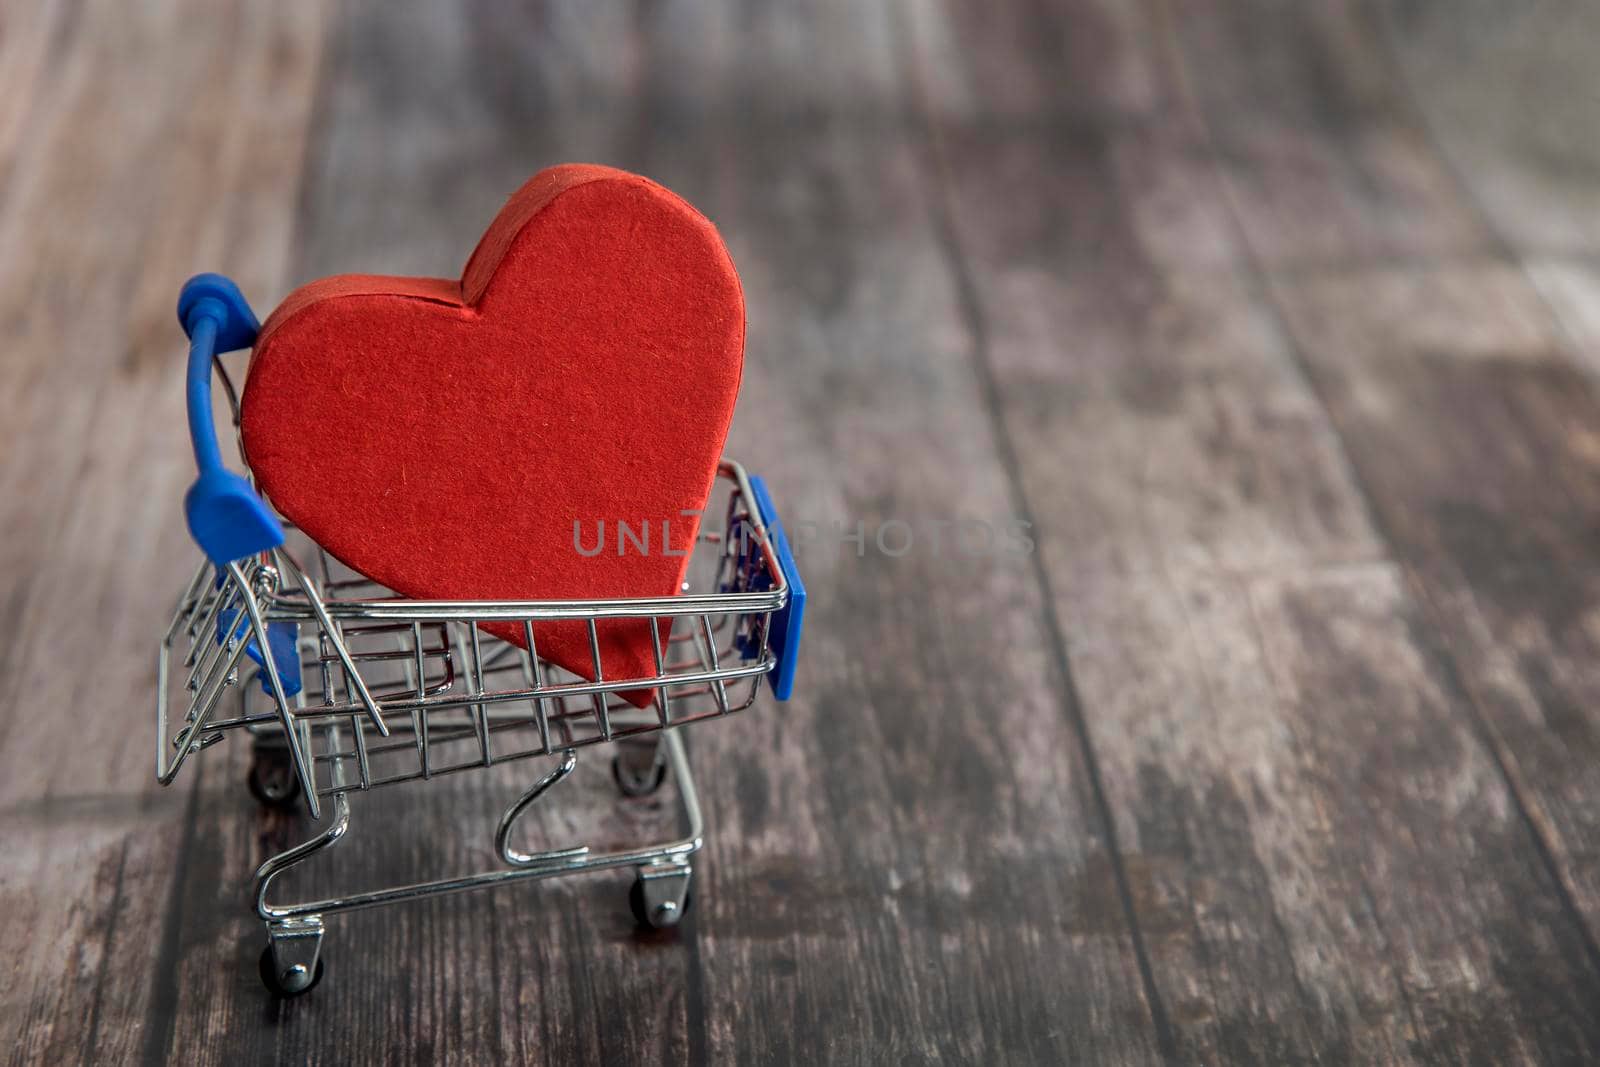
x,y
276,986
651,922
273,783
633,783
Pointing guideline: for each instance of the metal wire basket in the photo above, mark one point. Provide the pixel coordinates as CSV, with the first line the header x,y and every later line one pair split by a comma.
x,y
343,686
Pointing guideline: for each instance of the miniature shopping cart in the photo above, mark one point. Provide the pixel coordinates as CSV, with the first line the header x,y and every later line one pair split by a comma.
x,y
340,685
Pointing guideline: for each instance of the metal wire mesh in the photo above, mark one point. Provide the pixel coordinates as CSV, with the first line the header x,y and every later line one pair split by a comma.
x,y
397,690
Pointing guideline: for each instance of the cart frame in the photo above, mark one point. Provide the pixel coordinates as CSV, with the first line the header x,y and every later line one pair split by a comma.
x,y
360,688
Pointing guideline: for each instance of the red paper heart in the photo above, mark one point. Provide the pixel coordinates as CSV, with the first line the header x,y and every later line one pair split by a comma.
x,y
443,437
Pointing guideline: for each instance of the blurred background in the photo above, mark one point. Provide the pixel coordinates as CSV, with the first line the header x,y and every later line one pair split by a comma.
x,y
1277,322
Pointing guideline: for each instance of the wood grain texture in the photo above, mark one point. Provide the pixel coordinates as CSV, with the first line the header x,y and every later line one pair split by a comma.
x,y
407,170
1490,512
1279,324
119,123
1529,156
1465,417
886,885
1325,159
1278,730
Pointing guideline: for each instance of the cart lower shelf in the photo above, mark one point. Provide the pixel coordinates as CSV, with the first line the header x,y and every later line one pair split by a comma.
x,y
293,963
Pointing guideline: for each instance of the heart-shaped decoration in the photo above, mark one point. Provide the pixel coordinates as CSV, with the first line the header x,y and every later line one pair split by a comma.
x,y
444,438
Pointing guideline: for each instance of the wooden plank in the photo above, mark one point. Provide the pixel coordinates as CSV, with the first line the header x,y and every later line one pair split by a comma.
x,y
1488,958
30,41
1467,419
1512,572
1464,420
841,899
1320,599
904,862
129,133
411,160
906,865
1326,160
1492,507
1510,94
1572,289
1299,788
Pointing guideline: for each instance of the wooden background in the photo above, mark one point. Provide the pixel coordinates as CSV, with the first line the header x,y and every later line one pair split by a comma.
x,y
1279,321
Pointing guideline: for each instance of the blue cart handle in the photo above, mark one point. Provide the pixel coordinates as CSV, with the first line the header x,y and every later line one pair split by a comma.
x,y
227,518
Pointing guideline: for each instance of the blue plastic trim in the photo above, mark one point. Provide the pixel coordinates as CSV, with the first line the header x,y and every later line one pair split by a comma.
x,y
788,622
227,518
283,638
